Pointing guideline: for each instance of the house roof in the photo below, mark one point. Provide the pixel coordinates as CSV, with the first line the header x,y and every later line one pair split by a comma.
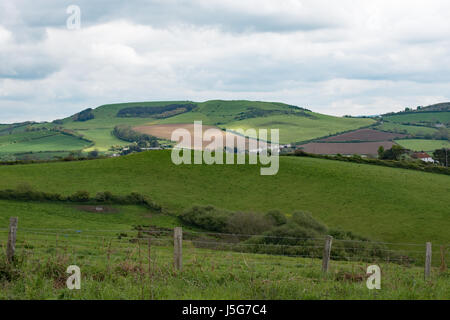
x,y
421,155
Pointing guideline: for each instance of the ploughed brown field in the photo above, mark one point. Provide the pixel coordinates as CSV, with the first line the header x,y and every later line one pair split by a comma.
x,y
365,135
164,131
366,148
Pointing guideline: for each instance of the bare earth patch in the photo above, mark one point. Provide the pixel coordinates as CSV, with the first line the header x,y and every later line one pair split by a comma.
x,y
164,131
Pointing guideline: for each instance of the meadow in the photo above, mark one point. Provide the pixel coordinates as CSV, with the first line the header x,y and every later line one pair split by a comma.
x,y
409,129
116,263
423,144
49,142
385,204
420,117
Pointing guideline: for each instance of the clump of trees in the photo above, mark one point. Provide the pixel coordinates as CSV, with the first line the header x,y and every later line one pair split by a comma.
x,y
142,140
253,112
156,112
393,153
442,156
84,115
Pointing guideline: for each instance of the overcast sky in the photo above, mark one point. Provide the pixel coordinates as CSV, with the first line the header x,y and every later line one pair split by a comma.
x,y
335,57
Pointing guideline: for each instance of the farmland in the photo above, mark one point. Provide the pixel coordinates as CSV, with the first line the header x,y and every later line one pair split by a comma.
x,y
295,124
52,236
420,117
406,129
47,142
347,148
378,202
366,135
423,145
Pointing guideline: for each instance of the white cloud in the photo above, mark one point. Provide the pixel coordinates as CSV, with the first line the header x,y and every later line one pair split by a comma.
x,y
341,58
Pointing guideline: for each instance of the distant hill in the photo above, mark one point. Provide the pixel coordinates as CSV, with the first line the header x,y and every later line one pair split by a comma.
x,y
296,124
445,106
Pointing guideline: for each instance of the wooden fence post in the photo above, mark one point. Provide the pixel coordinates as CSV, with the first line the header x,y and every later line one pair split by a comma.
x,y
11,246
149,256
326,253
428,261
178,248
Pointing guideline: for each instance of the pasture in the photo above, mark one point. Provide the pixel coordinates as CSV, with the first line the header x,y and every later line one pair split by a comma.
x,y
423,145
385,204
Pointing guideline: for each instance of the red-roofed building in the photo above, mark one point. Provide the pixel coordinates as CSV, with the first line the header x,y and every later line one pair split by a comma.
x,y
423,156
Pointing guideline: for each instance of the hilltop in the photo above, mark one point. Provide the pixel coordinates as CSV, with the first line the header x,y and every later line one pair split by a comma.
x,y
95,125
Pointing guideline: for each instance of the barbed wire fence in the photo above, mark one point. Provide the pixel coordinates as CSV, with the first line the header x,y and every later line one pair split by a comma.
x,y
151,251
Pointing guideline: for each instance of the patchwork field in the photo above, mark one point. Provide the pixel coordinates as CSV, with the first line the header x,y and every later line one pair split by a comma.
x,y
364,135
346,148
164,131
294,123
405,129
296,129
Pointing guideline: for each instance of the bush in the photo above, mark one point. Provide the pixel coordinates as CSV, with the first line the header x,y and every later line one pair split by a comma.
x,y
248,223
104,196
79,196
207,217
276,217
305,220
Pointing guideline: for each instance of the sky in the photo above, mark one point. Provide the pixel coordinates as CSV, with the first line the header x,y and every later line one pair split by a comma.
x,y
336,57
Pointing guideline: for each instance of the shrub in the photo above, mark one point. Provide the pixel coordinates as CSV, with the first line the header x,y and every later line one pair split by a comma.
x,y
207,217
248,223
79,196
276,217
304,219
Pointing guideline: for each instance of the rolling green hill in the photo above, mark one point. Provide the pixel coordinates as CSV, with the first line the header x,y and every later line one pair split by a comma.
x,y
382,203
295,124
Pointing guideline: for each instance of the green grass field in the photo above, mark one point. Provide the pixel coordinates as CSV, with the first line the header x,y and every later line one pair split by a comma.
x,y
423,145
53,236
420,117
382,203
296,129
50,142
408,129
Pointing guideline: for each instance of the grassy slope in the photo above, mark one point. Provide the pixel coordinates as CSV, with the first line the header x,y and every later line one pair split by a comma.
x,y
396,127
423,145
48,142
215,112
443,117
383,203
292,128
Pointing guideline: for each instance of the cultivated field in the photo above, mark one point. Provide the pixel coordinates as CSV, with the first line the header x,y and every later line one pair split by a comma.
x,y
164,131
346,148
364,135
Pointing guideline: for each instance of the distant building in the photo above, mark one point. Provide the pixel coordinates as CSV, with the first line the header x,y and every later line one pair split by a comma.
x,y
423,156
